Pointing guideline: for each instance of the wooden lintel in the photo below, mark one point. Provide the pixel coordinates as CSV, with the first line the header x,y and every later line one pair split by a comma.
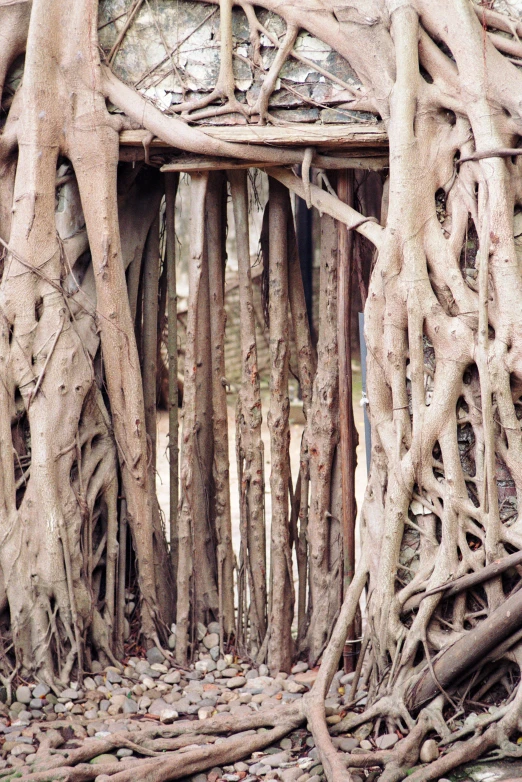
x,y
337,136
187,163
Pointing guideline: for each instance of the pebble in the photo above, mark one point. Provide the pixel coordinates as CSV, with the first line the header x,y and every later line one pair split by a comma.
x,y
41,690
70,694
23,694
173,677
236,681
429,751
168,715
275,760
154,656
215,684
99,759
210,640
130,706
346,745
387,741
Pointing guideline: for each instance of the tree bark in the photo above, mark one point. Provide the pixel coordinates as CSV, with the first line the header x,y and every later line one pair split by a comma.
x,y
280,645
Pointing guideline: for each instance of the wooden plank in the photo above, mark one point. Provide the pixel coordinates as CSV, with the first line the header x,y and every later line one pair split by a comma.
x,y
188,163
337,136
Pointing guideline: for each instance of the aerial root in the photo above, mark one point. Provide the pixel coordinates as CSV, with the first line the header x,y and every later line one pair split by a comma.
x,y
167,757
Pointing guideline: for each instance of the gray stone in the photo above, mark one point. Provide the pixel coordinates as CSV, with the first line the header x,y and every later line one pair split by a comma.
x,y
60,708
173,677
365,744
213,628
88,683
23,749
37,703
159,667
91,714
25,716
113,677
130,706
70,694
314,778
154,656
41,690
183,706
221,665
104,705
169,715
124,752
291,774
23,694
198,778
347,678
364,730
99,759
240,766
157,706
142,666
210,640
201,631
275,760
387,741
347,744
214,653
193,675
228,673
429,751
236,681
300,667
263,670
253,674
172,641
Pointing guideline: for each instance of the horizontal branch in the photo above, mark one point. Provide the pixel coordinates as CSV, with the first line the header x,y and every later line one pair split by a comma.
x,y
331,205
452,588
365,140
472,579
469,649
505,152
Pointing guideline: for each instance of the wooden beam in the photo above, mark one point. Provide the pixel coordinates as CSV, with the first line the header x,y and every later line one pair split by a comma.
x,y
190,163
337,136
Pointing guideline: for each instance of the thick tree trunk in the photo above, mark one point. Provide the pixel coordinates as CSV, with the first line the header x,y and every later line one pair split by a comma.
x,y
216,234
280,645
322,434
250,451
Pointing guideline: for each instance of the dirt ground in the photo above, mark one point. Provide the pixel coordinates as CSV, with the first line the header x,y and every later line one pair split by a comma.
x,y
296,430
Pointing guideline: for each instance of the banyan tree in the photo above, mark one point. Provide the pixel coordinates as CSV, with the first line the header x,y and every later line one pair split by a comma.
x,y
106,107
